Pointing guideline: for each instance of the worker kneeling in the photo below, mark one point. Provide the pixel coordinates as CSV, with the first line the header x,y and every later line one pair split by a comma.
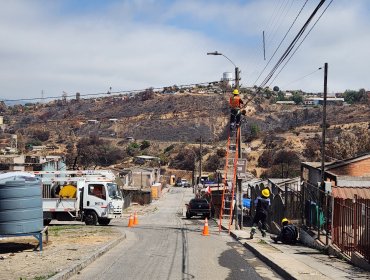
x,y
288,233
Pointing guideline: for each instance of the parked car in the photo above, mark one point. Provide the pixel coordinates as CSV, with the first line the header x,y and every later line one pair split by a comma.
x,y
198,207
185,183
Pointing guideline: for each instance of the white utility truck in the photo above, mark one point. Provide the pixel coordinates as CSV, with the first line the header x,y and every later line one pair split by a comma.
x,y
91,196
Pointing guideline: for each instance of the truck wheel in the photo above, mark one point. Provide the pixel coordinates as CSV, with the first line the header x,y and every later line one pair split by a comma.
x,y
104,222
47,222
91,218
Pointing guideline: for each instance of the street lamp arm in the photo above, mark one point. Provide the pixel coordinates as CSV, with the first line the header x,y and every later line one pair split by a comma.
x,y
217,53
229,60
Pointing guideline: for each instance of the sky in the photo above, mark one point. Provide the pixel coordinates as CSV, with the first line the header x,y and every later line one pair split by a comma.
x,y
89,46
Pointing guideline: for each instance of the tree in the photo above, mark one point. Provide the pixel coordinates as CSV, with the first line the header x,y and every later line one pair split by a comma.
x,y
352,96
344,146
94,151
266,159
312,152
145,144
297,98
42,135
212,163
184,160
133,149
287,158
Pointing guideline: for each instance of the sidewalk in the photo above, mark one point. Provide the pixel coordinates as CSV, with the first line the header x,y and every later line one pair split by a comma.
x,y
297,261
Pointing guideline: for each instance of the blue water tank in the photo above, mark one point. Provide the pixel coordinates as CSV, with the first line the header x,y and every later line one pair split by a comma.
x,y
20,203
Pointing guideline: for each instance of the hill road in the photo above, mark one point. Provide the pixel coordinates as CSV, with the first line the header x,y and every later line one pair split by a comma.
x,y
165,245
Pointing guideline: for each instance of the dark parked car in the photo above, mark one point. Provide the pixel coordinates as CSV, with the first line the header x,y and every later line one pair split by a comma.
x,y
198,207
186,185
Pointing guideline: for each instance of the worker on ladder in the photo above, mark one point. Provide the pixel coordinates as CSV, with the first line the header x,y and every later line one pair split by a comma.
x,y
235,104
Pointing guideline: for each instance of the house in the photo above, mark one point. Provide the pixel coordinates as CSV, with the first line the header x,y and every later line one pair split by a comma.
x,y
31,163
144,177
285,102
342,204
320,101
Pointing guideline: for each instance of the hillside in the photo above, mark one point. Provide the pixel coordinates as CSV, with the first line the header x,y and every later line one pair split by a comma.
x,y
182,117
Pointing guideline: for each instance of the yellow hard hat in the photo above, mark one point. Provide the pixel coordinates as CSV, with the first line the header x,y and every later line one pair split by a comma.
x,y
284,220
266,192
236,91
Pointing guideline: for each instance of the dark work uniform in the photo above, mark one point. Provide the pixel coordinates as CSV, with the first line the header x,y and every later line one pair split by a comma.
x,y
288,234
262,205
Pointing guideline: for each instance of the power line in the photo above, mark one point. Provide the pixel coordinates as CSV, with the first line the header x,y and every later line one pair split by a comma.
x,y
304,38
301,78
279,23
267,31
282,40
291,46
110,92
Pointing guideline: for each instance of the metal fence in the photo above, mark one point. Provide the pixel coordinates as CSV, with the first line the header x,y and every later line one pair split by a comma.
x,y
317,208
287,202
351,226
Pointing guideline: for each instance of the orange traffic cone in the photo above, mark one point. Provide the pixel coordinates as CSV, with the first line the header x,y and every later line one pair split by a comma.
x,y
205,229
131,221
136,220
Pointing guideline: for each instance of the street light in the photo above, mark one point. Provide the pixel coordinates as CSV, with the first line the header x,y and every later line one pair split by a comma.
x,y
238,180
236,67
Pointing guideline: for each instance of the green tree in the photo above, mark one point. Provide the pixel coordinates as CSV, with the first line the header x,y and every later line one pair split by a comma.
x,y
297,98
145,144
133,149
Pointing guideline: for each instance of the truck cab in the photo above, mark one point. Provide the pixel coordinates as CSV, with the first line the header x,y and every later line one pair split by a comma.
x,y
96,197
101,202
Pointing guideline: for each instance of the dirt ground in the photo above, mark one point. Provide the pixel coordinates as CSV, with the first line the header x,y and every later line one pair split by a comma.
x,y
68,243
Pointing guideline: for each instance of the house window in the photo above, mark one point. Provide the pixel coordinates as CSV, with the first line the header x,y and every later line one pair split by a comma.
x,y
97,190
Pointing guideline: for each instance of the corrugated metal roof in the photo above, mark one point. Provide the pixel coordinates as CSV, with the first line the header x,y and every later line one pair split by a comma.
x,y
350,192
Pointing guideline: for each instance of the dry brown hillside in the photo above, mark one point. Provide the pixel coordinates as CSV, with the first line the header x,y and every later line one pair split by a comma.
x,y
182,117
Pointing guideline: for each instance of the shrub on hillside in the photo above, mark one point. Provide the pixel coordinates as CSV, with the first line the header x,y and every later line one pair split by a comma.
x,y
266,159
184,160
213,163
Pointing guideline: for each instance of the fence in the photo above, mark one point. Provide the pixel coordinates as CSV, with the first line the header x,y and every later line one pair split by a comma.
x,y
287,202
351,226
317,208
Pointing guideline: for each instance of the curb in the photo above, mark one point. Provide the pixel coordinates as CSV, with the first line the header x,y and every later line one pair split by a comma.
x,y
69,272
278,269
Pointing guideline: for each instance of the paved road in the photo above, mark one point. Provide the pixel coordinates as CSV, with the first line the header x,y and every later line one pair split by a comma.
x,y
166,246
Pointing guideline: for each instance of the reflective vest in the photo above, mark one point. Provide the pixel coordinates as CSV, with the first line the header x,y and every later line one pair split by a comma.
x,y
235,102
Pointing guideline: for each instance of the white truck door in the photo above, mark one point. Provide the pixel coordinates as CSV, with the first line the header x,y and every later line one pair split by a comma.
x,y
96,198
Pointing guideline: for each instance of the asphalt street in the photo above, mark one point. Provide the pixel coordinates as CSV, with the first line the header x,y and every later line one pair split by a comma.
x,y
165,245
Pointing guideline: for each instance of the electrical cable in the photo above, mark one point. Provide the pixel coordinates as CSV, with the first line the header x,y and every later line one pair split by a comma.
x,y
301,78
291,46
276,20
110,92
268,35
282,40
304,38
270,41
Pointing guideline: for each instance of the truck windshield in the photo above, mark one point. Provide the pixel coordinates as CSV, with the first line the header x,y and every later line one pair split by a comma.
x,y
113,191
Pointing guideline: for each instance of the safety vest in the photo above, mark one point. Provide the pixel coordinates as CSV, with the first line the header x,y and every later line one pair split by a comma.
x,y
235,102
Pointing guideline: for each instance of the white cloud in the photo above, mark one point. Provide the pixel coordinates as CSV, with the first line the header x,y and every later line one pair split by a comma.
x,y
45,48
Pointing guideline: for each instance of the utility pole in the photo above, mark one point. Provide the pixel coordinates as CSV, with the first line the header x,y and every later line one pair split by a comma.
x,y
237,77
323,144
239,190
200,159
